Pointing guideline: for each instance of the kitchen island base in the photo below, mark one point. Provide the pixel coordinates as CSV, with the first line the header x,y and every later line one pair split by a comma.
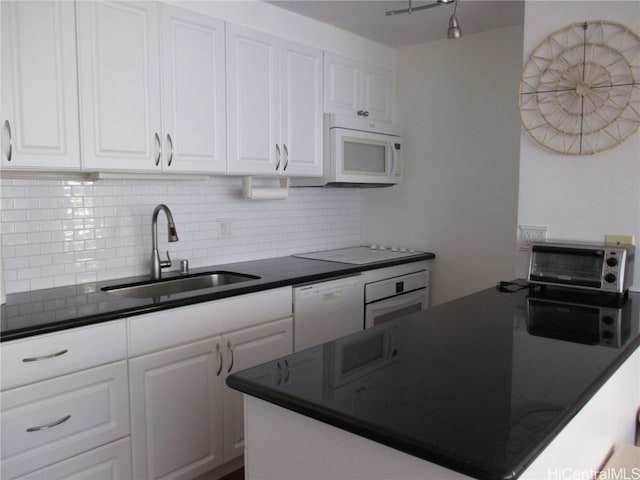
x,y
282,444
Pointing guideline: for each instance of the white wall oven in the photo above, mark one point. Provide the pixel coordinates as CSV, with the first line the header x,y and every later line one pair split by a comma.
x,y
395,297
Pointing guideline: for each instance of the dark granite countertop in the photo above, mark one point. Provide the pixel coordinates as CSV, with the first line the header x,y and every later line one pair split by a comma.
x,y
479,385
44,311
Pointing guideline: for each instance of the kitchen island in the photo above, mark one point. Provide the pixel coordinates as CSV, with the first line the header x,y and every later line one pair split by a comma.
x,y
531,384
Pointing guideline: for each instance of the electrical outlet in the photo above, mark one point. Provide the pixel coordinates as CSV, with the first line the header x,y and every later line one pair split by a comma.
x,y
225,227
619,240
531,234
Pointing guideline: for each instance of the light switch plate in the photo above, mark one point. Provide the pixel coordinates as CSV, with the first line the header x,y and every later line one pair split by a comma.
x,y
619,240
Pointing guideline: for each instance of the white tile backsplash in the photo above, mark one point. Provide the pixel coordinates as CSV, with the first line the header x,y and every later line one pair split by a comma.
x,y
65,232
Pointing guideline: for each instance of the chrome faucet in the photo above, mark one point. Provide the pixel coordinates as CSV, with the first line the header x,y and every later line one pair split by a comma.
x,y
156,264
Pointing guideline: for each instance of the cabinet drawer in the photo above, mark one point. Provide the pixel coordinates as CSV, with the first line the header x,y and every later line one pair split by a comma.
x,y
46,356
111,462
182,325
55,419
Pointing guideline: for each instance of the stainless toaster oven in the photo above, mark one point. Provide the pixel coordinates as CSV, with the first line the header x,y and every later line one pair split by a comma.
x,y
604,268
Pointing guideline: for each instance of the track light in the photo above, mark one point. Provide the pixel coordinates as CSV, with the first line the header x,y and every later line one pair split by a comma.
x,y
454,30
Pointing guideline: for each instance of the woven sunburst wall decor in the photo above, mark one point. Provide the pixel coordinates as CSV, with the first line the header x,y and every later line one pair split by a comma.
x,y
580,89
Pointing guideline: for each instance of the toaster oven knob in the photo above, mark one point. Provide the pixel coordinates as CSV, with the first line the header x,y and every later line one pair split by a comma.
x,y
612,261
610,277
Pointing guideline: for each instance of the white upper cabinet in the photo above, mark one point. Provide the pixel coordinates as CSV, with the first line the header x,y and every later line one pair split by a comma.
x,y
357,89
274,91
193,92
301,131
118,54
39,90
128,122
253,101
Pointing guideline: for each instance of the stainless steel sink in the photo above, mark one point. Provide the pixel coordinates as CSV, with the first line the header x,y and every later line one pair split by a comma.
x,y
168,286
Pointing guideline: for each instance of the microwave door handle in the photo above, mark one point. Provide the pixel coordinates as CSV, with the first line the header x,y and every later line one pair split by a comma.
x,y
393,159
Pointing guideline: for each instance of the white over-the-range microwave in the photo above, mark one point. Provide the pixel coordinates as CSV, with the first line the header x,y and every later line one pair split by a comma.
x,y
358,153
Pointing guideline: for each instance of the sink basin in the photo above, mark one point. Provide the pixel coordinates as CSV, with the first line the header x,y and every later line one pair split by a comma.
x,y
168,286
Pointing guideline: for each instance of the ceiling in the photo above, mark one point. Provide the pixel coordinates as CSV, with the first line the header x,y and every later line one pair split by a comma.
x,y
367,17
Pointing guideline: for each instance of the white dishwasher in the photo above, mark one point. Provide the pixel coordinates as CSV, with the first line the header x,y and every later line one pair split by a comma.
x,y
328,310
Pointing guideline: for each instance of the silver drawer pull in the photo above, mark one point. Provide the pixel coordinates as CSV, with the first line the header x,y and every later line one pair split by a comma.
x,y
49,425
171,154
230,347
7,126
279,156
45,357
219,352
157,137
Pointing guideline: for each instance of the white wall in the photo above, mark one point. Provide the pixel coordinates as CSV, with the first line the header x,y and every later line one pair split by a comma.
x,y
579,197
457,104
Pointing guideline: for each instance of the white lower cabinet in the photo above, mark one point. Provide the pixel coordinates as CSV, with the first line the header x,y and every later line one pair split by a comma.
x,y
176,411
185,421
110,462
53,420
248,348
141,398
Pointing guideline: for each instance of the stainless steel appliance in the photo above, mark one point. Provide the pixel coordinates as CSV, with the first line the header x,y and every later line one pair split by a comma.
x,y
395,297
358,153
326,311
604,268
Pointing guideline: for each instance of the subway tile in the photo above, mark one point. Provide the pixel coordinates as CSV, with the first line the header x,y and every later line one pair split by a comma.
x,y
106,225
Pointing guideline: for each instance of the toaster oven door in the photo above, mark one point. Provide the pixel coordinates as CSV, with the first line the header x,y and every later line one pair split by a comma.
x,y
578,267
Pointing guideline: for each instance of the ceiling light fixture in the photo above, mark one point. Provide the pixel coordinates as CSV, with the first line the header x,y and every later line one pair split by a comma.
x,y
454,30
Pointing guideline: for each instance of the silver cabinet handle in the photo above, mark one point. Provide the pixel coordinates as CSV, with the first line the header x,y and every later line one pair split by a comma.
x,y
48,425
363,113
157,137
278,152
231,352
44,357
171,145
219,352
7,127
286,156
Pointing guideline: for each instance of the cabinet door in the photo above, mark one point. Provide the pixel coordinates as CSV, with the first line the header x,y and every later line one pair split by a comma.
x,y
244,349
39,87
342,84
118,45
193,99
253,103
302,109
378,93
176,411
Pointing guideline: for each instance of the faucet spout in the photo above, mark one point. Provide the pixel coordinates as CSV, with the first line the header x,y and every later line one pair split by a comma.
x,y
156,264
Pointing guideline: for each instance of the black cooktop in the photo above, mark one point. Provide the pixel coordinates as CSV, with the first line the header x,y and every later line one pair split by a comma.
x,y
479,385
